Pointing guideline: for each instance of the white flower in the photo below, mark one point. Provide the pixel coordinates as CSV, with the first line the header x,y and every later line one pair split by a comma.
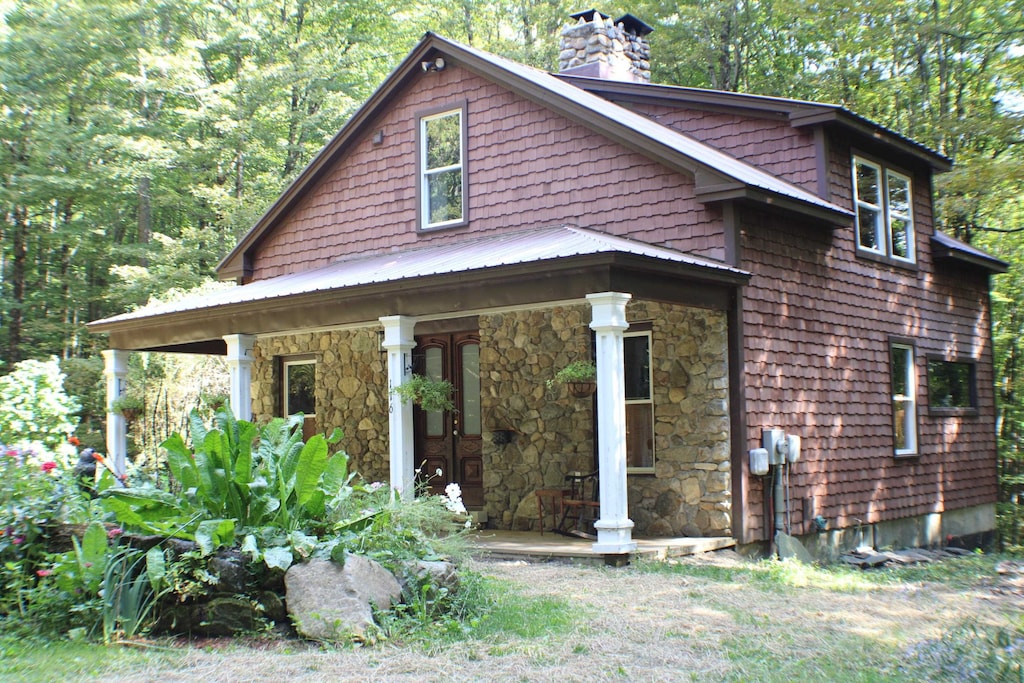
x,y
453,499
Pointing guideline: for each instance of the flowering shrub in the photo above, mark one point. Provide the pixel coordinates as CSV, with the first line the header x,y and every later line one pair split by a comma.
x,y
29,504
34,409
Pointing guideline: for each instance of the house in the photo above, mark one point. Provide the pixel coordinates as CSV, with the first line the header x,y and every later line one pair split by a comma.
x,y
734,264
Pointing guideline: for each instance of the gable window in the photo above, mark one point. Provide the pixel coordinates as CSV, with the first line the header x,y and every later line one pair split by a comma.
x,y
885,224
951,386
904,402
636,348
442,166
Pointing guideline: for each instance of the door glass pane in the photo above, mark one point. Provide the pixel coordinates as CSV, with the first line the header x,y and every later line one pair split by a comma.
x,y
433,368
471,389
639,435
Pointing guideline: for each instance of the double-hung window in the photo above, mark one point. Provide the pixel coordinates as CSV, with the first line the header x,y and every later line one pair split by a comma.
x,y
885,222
904,398
442,164
636,348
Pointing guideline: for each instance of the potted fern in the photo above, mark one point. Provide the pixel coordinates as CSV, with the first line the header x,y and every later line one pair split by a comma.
x,y
429,394
580,376
128,405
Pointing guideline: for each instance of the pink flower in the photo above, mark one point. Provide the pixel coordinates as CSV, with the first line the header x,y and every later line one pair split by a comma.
x,y
49,466
114,533
17,540
43,572
12,453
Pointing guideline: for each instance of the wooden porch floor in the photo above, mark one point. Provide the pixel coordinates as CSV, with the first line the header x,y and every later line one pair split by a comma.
x,y
531,545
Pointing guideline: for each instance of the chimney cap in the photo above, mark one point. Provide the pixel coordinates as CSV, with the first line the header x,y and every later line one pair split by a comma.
x,y
633,25
588,15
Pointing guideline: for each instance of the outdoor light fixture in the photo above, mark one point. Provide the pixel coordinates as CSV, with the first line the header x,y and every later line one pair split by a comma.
x,y
435,65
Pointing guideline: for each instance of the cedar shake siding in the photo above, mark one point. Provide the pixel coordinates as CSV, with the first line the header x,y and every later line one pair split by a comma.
x,y
771,143
818,321
527,167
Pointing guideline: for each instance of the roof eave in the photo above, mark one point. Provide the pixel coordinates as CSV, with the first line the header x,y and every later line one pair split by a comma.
x,y
862,126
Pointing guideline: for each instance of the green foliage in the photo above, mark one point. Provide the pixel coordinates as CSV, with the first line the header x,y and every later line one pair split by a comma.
x,y
430,394
576,371
128,404
268,498
33,406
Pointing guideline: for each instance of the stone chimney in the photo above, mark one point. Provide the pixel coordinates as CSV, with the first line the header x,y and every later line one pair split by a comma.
x,y
598,47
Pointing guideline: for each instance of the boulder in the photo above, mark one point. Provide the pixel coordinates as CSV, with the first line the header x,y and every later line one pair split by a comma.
x,y
327,601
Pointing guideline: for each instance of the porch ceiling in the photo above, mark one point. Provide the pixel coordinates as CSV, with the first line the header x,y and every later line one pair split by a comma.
x,y
508,269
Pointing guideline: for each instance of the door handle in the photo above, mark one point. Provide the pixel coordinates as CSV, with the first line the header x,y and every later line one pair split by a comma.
x,y
455,432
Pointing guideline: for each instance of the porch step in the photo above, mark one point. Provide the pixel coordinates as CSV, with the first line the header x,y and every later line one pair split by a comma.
x,y
531,545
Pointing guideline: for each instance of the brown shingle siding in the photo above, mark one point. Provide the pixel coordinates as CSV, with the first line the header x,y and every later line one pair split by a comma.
x,y
844,310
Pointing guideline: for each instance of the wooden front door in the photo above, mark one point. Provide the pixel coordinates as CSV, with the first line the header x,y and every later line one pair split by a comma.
x,y
450,441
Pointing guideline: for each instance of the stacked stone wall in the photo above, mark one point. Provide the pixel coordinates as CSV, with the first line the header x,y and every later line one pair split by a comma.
x,y
351,390
688,492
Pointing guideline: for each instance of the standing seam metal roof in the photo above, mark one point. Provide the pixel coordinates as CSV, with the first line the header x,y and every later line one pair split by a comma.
x,y
485,252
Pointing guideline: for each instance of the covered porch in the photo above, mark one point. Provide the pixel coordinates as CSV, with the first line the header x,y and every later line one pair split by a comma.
x,y
531,546
339,313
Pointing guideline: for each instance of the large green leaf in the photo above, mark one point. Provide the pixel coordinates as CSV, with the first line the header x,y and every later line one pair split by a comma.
x,y
311,465
278,557
336,475
214,533
156,567
180,462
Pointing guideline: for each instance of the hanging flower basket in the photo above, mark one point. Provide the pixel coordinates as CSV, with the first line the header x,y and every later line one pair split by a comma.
x,y
130,407
582,389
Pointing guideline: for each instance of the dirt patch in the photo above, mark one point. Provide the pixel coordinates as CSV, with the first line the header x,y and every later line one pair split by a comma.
x,y
716,622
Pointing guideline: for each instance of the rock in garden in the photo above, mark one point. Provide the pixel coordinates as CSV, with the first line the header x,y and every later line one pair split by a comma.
x,y
329,602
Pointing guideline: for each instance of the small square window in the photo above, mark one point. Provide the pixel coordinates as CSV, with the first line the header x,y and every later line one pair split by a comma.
x,y
951,385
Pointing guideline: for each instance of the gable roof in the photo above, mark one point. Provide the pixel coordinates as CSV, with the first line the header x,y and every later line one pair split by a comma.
x,y
261,306
718,176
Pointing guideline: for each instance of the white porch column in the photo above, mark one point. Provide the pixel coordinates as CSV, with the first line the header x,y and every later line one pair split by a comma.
x,y
399,342
239,361
115,369
614,529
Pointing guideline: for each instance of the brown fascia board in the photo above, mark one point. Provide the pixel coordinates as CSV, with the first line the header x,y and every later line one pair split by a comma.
x,y
235,264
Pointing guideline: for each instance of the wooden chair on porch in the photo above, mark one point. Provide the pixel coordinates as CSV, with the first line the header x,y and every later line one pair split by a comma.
x,y
581,506
549,504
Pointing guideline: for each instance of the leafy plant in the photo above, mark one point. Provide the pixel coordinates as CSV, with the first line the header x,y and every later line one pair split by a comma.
x,y
576,371
430,394
128,405
268,497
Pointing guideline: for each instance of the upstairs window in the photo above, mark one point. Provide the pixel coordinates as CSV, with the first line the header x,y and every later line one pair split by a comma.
x,y
904,398
442,165
885,224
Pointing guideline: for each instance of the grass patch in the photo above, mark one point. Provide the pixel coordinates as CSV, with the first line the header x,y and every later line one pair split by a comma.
x,y
512,614
64,660
970,653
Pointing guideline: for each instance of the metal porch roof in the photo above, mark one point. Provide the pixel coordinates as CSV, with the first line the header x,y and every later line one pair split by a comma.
x,y
485,252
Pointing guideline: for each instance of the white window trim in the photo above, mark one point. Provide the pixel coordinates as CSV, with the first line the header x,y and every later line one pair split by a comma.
x,y
910,400
647,401
284,384
426,173
883,227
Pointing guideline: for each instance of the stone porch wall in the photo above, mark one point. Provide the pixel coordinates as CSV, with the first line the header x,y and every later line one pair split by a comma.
x,y
688,493
351,390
